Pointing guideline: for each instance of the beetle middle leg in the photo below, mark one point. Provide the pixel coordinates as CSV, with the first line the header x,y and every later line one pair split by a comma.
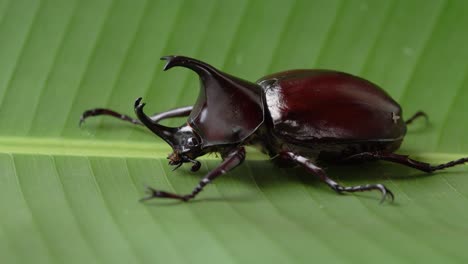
x,y
307,164
405,160
177,112
231,160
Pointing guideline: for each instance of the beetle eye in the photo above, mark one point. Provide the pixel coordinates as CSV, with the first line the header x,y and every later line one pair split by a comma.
x,y
191,142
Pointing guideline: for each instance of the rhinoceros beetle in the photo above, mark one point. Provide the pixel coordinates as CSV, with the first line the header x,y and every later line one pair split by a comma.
x,y
296,117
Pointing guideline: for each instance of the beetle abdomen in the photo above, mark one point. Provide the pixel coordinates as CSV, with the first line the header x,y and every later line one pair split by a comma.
x,y
320,106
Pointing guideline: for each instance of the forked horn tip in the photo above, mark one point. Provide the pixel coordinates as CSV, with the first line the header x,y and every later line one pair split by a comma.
x,y
168,60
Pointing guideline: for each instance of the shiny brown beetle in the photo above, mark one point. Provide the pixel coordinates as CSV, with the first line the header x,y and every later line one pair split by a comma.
x,y
299,117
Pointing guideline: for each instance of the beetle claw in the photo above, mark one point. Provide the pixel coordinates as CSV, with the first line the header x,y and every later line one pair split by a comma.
x,y
85,115
153,193
82,119
391,195
385,192
364,188
138,104
196,166
177,166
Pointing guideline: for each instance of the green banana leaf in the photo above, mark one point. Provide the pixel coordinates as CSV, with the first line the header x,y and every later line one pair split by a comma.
x,y
70,194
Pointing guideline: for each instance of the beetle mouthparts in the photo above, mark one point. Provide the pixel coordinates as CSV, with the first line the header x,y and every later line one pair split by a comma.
x,y
174,158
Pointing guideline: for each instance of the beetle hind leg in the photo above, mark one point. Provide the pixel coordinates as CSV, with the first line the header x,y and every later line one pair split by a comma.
x,y
406,161
306,163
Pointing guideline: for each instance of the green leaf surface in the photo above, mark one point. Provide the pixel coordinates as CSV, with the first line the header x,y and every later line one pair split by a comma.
x,y
70,195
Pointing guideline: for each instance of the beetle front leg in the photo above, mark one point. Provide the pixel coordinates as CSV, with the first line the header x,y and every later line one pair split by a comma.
x,y
177,112
306,163
231,160
107,112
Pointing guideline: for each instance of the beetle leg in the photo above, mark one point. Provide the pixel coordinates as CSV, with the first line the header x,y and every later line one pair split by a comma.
x,y
177,112
405,160
196,165
307,164
177,166
231,160
416,116
107,112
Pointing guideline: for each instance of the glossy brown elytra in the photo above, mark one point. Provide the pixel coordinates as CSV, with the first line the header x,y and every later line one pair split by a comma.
x,y
299,117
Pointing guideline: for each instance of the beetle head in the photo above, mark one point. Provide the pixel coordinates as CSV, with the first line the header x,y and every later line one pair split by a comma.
x,y
185,142
186,145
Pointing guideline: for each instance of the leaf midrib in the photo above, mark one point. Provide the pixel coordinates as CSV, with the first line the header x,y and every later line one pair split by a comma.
x,y
101,148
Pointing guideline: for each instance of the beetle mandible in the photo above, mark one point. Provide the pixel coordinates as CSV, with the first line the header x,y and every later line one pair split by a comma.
x,y
297,117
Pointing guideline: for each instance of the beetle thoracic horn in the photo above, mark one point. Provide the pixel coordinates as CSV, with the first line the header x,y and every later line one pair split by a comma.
x,y
218,90
209,75
166,133
198,66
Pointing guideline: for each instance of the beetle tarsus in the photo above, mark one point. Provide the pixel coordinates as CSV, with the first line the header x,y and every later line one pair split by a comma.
x,y
138,104
449,164
88,113
368,187
107,112
153,193
82,119
416,116
363,188
406,161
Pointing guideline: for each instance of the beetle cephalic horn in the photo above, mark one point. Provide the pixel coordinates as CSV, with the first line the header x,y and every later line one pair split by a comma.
x,y
166,133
